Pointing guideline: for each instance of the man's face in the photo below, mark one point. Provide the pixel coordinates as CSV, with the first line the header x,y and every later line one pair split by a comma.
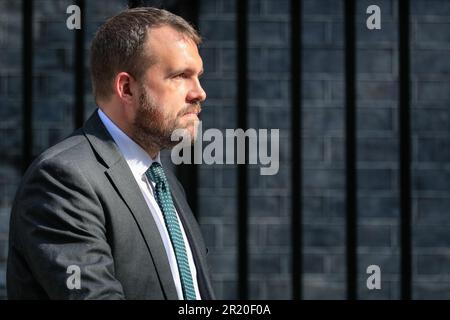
x,y
170,91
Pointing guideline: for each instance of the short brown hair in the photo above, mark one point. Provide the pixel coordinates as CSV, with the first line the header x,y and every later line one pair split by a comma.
x,y
119,45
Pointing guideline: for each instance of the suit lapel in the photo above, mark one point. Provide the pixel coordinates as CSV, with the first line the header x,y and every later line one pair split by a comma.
x,y
123,181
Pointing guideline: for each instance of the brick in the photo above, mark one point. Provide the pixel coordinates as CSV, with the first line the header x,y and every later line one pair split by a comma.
x,y
431,179
313,89
105,8
275,118
378,207
314,33
431,236
323,179
230,290
374,61
386,36
257,290
430,120
208,7
257,60
227,6
218,30
324,288
385,293
208,206
375,119
229,235
432,91
313,149
228,60
51,111
278,61
322,121
206,176
323,61
389,264
377,149
335,150
324,235
334,206
255,7
322,7
279,289
312,207
10,143
209,232
268,89
337,90
273,7
265,263
219,89
268,32
431,7
256,233
264,206
222,262
14,85
313,263
374,236
335,263
431,264
433,149
229,177
431,290
53,31
377,90
385,8
210,59
374,179
431,61
433,210
278,235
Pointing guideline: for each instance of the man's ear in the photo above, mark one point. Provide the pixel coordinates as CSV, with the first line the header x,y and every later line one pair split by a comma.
x,y
125,87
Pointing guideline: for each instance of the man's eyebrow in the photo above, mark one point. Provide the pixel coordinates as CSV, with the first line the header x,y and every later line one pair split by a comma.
x,y
189,70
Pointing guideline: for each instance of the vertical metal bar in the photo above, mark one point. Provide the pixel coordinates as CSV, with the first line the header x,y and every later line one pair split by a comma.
x,y
242,94
27,83
405,149
79,100
296,148
350,138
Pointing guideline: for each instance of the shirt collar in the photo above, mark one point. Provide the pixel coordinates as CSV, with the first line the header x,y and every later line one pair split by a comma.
x,y
138,160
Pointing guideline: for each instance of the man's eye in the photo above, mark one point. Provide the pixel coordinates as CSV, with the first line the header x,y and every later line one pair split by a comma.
x,y
181,75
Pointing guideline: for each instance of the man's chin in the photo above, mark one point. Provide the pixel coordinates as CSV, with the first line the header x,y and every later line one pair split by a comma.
x,y
192,130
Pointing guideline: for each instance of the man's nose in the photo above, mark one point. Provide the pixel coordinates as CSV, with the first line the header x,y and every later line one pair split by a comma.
x,y
197,94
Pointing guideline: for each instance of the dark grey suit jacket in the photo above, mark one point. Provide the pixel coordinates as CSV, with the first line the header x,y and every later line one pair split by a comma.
x,y
78,204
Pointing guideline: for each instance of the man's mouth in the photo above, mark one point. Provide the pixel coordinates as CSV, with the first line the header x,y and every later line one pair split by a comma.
x,y
192,113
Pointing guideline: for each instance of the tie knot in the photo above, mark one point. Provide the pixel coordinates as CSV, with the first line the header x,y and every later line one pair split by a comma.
x,y
156,173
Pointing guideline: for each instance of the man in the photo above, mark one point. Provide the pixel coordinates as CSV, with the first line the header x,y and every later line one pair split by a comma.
x,y
96,216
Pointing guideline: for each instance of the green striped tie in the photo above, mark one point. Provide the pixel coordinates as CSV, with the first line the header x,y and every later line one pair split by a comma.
x,y
164,198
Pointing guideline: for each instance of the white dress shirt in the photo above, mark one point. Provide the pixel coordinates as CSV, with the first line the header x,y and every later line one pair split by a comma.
x,y
139,161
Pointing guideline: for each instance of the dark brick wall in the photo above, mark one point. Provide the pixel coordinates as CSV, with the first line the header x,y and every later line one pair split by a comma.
x,y
269,107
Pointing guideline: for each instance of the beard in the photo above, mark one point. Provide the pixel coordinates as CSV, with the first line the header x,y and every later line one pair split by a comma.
x,y
152,127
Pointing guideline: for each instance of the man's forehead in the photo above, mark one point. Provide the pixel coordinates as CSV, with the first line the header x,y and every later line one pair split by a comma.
x,y
167,35
167,44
